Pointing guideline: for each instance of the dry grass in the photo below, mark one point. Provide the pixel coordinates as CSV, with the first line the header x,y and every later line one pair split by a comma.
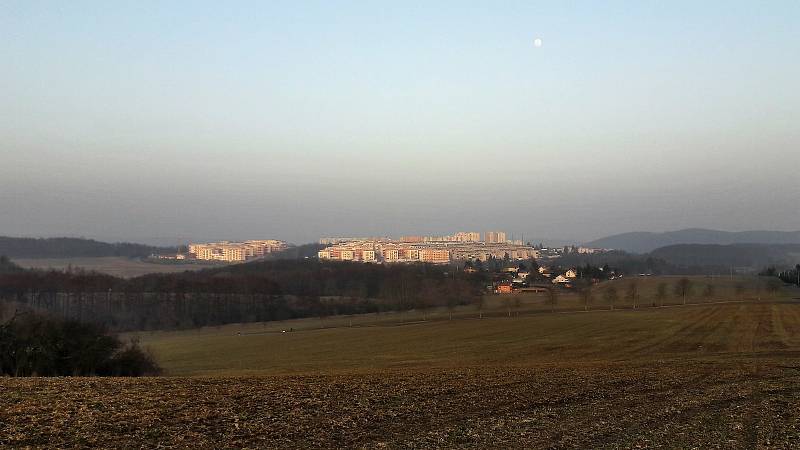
x,y
392,341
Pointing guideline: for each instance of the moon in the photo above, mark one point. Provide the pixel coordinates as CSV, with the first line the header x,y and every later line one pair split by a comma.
x,y
537,42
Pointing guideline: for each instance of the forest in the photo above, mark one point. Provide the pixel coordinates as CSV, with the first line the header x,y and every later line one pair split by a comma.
x,y
253,292
73,247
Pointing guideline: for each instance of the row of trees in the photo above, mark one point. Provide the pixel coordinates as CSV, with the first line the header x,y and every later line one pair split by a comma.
x,y
261,291
790,276
681,289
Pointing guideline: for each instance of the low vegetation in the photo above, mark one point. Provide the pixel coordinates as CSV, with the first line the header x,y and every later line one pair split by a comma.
x,y
36,345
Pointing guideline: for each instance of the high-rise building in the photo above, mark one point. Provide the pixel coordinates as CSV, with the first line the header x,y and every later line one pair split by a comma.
x,y
434,255
467,236
495,237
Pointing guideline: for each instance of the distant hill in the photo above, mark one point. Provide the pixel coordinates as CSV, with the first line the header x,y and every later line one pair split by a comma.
x,y
754,256
73,248
644,242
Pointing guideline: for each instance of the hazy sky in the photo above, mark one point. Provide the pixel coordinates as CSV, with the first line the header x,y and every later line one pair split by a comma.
x,y
158,121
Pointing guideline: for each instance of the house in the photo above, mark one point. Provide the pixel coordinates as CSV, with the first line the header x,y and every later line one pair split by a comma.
x,y
571,273
561,279
504,288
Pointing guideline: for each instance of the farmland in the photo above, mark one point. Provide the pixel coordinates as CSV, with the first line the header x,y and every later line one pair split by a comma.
x,y
740,405
507,334
723,372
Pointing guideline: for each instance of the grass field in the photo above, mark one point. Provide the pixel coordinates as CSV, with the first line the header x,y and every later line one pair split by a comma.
x,y
522,335
693,331
117,266
722,373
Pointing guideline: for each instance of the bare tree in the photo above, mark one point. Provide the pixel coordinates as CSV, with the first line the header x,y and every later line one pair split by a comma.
x,y
552,298
586,295
683,288
429,293
661,293
480,302
632,292
507,305
610,295
797,273
452,301
709,291
322,310
453,297
773,286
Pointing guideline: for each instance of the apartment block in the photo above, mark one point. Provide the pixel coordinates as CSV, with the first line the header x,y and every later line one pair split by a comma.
x,y
495,237
236,251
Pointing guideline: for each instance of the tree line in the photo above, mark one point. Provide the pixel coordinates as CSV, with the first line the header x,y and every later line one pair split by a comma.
x,y
252,292
791,276
683,289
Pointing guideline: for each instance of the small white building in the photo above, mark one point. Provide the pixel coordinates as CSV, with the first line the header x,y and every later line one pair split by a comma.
x,y
571,273
561,279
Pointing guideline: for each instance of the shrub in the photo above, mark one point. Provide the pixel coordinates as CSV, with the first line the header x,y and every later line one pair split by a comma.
x,y
36,345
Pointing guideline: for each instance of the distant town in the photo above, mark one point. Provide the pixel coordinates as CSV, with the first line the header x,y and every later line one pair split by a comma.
x,y
428,249
234,251
458,247
461,246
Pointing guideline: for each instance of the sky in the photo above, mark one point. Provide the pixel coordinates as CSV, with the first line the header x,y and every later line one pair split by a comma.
x,y
165,122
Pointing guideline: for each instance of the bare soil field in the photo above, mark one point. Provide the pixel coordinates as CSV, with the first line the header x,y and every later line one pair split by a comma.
x,y
752,403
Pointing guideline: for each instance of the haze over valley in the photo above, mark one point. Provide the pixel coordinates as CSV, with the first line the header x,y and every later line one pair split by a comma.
x,y
344,224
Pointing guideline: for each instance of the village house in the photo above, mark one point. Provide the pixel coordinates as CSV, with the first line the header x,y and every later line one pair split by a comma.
x,y
571,273
504,288
561,279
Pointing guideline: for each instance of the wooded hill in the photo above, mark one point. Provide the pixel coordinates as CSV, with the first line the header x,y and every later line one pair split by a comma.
x,y
753,256
74,248
643,242
692,259
258,291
